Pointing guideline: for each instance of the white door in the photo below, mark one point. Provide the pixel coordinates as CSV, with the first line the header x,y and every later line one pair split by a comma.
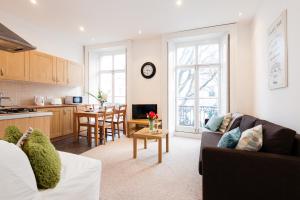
x,y
198,84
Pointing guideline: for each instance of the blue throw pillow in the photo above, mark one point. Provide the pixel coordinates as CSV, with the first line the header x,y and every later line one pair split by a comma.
x,y
230,139
214,123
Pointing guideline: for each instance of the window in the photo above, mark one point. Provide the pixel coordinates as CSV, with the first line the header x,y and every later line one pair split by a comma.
x,y
108,73
199,74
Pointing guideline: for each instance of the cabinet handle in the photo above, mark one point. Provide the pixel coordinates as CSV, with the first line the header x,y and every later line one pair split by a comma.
x,y
1,73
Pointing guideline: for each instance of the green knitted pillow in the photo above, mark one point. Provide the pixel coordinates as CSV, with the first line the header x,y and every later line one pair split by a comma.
x,y
43,157
12,134
44,160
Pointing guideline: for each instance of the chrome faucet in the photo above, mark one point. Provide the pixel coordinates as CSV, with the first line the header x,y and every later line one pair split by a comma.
x,y
2,97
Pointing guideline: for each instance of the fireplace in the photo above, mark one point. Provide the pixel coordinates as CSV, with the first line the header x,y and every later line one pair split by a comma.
x,y
139,110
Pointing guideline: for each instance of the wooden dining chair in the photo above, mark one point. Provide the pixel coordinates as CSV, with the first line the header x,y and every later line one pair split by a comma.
x,y
106,123
120,119
89,120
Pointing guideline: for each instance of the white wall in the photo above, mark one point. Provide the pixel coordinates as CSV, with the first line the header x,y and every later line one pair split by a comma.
x,y
47,41
279,106
141,90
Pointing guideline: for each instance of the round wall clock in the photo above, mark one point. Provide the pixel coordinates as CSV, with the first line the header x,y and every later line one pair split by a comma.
x,y
148,70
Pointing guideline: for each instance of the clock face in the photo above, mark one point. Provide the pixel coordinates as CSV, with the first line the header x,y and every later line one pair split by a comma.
x,y
148,70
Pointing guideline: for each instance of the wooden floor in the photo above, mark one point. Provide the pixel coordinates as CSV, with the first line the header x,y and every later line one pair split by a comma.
x,y
67,145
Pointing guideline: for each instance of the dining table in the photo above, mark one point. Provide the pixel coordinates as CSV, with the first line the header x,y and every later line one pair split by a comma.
x,y
88,114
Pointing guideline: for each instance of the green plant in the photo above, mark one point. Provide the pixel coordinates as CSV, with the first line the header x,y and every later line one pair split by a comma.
x,y
101,96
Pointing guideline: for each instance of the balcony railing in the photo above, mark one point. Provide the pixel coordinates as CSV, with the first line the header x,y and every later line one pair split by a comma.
x,y
186,114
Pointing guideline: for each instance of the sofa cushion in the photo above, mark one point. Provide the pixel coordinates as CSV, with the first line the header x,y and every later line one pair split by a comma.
x,y
230,139
235,122
214,123
209,139
276,139
17,177
247,122
226,121
251,139
296,145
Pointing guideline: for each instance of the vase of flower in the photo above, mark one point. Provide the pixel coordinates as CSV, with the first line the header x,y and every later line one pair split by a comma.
x,y
152,116
101,97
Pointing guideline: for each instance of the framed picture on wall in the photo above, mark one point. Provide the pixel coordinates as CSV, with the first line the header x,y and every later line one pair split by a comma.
x,y
278,53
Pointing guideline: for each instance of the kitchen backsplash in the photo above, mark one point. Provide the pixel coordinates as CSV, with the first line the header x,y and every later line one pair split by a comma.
x,y
22,93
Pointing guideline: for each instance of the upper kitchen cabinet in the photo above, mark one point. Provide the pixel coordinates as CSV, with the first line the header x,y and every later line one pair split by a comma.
x,y
75,74
42,67
61,71
14,66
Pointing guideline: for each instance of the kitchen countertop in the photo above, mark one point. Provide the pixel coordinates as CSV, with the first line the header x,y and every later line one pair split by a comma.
x,y
45,106
24,115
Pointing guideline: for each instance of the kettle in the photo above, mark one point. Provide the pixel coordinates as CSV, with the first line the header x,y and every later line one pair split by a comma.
x,y
39,100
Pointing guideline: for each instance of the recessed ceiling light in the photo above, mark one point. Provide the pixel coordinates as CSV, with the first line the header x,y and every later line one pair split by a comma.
x,y
179,2
81,28
33,2
240,14
140,32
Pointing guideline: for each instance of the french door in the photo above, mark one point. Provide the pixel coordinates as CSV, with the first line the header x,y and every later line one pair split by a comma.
x,y
197,85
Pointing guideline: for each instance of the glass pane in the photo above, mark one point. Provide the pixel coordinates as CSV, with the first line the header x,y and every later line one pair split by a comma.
x,y
185,83
120,100
208,82
207,109
106,62
106,85
186,56
120,84
208,54
119,61
185,112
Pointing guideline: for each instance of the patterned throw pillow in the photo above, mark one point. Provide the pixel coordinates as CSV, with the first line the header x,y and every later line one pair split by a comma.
x,y
227,119
214,123
230,139
251,139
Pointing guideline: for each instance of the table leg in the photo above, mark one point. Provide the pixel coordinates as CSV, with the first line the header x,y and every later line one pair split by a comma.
x,y
145,143
167,142
134,147
159,150
128,129
75,131
96,133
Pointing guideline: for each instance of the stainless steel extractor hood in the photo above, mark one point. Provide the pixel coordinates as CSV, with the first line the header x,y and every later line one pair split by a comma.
x,y
9,41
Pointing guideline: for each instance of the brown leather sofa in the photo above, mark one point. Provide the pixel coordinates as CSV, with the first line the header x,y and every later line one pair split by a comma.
x,y
271,174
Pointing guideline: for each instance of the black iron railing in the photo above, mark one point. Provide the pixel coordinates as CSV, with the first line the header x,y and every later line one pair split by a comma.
x,y
186,114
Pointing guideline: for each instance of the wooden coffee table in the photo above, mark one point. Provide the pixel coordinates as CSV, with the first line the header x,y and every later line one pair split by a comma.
x,y
145,134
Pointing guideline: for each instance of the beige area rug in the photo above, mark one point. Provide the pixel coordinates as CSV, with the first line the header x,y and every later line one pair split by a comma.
x,y
125,178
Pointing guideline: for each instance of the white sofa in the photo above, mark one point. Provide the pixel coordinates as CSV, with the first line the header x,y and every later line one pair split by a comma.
x,y
80,177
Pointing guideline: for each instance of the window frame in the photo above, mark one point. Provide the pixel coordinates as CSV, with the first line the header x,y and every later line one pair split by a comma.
x,y
113,71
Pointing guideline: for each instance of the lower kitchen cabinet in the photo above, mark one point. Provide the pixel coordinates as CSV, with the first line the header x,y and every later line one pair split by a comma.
x,y
61,122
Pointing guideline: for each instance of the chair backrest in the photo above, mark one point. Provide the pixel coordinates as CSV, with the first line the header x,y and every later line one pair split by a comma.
x,y
121,112
83,117
108,112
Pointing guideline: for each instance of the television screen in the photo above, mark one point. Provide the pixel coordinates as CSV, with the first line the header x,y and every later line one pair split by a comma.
x,y
139,111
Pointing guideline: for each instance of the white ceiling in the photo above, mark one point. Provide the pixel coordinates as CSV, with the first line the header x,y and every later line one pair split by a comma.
x,y
114,20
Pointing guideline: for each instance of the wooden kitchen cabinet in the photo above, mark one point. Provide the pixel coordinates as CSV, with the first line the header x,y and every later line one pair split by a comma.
x,y
61,122
75,74
14,66
67,120
42,67
61,71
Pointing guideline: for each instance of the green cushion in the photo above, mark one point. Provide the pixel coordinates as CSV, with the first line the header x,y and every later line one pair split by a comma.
x,y
12,134
214,123
230,139
43,157
44,160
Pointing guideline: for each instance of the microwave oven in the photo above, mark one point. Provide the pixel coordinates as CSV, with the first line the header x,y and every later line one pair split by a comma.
x,y
73,100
